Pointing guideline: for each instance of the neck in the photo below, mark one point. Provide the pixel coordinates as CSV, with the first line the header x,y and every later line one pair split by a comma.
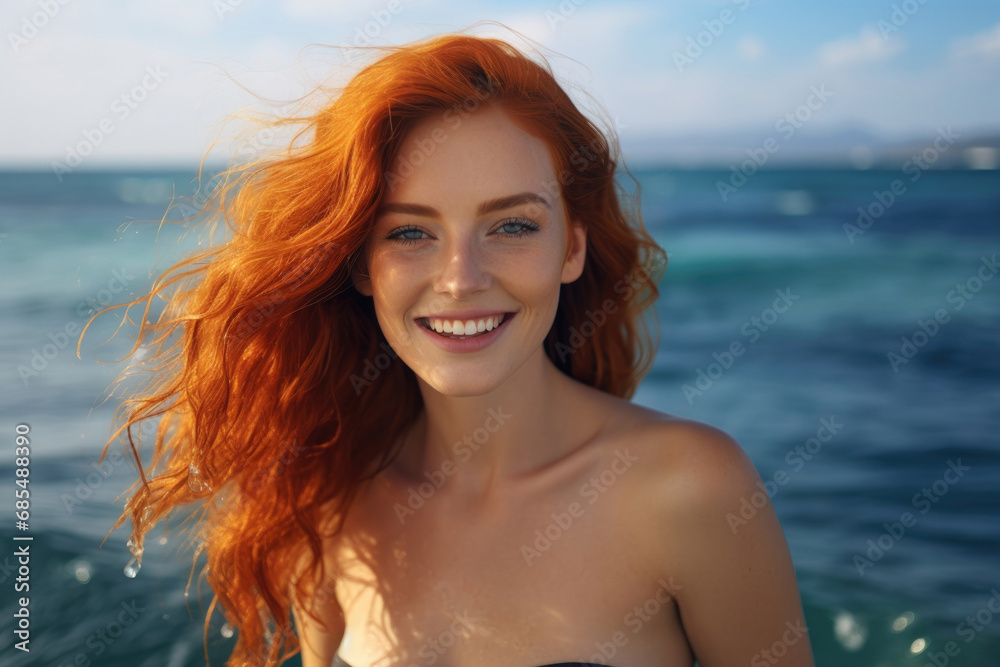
x,y
472,447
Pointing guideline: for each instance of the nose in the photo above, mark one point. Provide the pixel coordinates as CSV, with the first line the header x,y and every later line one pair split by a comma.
x,y
464,271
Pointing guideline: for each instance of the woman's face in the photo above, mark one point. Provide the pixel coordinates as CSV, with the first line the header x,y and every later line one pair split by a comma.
x,y
445,247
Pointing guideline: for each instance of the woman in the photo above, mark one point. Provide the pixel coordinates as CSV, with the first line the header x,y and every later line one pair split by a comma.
x,y
405,394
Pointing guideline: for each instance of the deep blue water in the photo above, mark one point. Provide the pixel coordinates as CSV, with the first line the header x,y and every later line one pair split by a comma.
x,y
915,433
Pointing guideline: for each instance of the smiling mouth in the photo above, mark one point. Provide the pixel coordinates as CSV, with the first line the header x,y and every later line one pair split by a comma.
x,y
425,323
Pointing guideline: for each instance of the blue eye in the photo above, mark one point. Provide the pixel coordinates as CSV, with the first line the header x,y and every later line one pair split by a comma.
x,y
397,234
525,227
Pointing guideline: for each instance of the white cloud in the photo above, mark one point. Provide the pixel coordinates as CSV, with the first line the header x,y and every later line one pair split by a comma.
x,y
381,12
192,18
869,46
581,30
65,79
69,80
986,44
588,48
331,11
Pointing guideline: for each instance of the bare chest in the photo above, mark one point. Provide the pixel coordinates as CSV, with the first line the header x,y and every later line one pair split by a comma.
x,y
539,578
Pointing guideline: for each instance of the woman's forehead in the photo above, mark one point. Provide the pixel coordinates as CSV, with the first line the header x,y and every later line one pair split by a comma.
x,y
486,145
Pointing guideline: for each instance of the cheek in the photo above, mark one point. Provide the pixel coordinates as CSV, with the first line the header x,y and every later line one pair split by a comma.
x,y
393,272
391,286
529,273
388,263
534,277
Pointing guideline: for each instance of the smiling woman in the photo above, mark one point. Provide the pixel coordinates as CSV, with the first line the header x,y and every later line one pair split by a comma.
x,y
491,496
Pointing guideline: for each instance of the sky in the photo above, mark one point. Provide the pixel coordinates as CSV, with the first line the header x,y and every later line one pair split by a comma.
x,y
153,82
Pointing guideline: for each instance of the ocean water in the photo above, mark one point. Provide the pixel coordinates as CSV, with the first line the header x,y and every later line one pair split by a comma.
x,y
858,366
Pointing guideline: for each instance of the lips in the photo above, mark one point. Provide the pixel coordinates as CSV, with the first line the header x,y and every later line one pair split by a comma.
x,y
468,344
463,328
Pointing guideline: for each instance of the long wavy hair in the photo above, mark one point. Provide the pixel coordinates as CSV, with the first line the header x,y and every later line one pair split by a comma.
x,y
280,395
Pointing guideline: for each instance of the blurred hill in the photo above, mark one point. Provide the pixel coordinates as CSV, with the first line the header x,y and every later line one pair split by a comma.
x,y
853,147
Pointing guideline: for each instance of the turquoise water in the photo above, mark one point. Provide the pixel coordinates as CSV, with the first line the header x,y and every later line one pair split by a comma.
x,y
911,436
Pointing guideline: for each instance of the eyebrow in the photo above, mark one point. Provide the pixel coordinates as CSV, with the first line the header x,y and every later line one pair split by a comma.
x,y
488,206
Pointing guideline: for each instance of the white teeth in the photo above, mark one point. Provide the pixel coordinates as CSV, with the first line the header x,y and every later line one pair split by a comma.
x,y
467,327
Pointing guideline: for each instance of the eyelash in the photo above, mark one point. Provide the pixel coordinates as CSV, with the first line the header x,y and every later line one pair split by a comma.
x,y
527,227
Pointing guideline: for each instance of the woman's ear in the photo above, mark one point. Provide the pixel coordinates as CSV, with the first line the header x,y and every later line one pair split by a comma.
x,y
576,253
359,276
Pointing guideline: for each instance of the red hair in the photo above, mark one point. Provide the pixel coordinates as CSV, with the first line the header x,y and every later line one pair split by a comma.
x,y
271,414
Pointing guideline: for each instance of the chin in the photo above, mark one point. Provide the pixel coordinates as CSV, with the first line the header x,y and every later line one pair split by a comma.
x,y
466,384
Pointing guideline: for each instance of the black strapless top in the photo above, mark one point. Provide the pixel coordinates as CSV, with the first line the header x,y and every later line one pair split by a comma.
x,y
337,662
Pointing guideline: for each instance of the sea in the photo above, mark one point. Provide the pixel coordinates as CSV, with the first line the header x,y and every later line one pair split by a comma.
x,y
842,325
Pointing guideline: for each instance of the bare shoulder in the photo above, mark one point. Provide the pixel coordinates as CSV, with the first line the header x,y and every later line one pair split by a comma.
x,y
681,456
731,570
693,460
691,476
690,473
